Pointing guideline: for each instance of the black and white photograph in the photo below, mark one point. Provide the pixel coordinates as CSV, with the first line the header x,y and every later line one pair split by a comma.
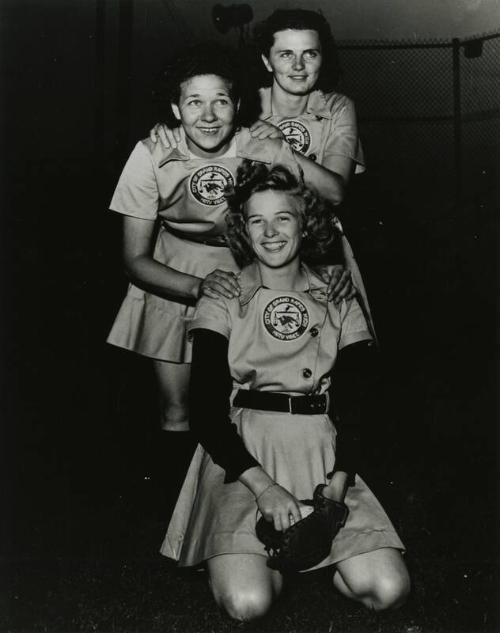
x,y
249,325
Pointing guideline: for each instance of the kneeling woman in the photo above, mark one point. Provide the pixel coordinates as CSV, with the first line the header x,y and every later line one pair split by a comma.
x,y
264,351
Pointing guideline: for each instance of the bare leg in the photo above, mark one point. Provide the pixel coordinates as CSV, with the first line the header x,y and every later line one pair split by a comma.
x,y
173,381
377,579
243,585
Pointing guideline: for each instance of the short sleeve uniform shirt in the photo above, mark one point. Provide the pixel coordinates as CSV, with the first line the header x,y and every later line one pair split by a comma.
x,y
328,127
291,337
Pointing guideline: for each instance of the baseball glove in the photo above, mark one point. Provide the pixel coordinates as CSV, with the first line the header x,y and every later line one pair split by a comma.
x,y
307,542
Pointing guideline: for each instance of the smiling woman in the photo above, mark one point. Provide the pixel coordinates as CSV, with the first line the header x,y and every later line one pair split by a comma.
x,y
267,444
206,109
295,60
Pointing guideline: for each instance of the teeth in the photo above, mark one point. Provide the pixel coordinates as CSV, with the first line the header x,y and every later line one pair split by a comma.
x,y
274,246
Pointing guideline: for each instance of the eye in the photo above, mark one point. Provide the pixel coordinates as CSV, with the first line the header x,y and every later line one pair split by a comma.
x,y
223,102
286,54
311,54
254,221
194,102
283,218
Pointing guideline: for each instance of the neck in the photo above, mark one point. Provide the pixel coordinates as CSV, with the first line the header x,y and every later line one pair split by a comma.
x,y
285,104
289,277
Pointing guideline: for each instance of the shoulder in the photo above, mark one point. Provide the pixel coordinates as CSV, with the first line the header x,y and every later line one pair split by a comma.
x,y
213,314
336,102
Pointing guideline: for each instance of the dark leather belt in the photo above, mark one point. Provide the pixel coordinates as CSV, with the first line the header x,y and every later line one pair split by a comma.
x,y
271,401
214,240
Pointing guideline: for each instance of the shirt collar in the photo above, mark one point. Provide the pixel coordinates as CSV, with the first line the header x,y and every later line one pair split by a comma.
x,y
316,104
242,146
251,281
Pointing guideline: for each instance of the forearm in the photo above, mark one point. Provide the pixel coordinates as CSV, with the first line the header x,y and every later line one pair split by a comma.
x,y
161,280
354,385
256,480
328,184
209,409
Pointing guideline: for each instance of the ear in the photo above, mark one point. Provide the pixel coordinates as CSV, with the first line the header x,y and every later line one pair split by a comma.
x,y
266,63
176,111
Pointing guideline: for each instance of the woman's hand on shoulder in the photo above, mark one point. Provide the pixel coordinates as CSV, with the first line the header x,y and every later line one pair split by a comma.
x,y
262,130
220,283
169,138
278,506
339,282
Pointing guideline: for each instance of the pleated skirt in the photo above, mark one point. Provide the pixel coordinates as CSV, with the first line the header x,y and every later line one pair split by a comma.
x,y
213,518
156,327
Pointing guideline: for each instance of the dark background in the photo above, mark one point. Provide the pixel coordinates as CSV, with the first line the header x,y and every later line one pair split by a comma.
x,y
80,532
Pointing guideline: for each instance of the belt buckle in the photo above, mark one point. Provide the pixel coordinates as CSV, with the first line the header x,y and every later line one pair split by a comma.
x,y
290,405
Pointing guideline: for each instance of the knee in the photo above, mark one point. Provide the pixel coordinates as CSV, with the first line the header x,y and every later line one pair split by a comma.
x,y
246,606
389,592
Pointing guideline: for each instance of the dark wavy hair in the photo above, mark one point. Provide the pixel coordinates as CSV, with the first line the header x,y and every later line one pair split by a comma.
x,y
301,20
317,214
209,58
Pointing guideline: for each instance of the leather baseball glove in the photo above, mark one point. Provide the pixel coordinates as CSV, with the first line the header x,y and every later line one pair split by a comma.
x,y
307,542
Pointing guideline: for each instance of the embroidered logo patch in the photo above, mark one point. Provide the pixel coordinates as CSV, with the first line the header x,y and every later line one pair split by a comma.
x,y
207,184
286,318
296,134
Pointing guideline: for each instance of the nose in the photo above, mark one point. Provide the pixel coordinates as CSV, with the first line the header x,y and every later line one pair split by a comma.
x,y
270,229
298,62
208,113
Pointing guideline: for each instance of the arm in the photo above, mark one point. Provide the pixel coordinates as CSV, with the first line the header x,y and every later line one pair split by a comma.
x,y
171,137
342,152
354,380
219,436
329,184
162,280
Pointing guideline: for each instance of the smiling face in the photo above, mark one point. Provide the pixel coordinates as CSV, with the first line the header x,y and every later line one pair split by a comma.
x,y
274,226
207,112
295,60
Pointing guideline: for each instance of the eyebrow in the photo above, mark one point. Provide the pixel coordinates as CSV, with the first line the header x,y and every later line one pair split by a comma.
x,y
253,215
304,50
217,94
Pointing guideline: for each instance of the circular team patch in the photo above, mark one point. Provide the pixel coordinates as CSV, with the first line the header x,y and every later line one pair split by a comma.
x,y
208,183
296,134
286,318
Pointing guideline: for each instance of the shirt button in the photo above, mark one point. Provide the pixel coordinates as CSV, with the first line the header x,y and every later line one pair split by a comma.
x,y
314,331
307,373
312,157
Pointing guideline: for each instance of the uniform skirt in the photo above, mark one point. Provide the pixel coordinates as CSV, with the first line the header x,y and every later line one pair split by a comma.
x,y
156,327
212,517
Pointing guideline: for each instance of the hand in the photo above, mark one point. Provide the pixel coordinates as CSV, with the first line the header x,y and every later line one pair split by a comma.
x,y
169,138
220,283
340,284
278,506
263,129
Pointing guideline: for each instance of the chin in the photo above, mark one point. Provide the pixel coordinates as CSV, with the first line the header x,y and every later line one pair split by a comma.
x,y
300,90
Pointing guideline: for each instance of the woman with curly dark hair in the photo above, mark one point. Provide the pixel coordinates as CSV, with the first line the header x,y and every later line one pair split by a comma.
x,y
261,370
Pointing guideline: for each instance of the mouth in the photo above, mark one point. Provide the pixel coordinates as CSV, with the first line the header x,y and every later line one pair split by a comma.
x,y
273,247
209,131
298,77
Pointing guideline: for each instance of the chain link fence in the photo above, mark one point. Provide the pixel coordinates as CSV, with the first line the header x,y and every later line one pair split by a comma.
x,y
429,115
